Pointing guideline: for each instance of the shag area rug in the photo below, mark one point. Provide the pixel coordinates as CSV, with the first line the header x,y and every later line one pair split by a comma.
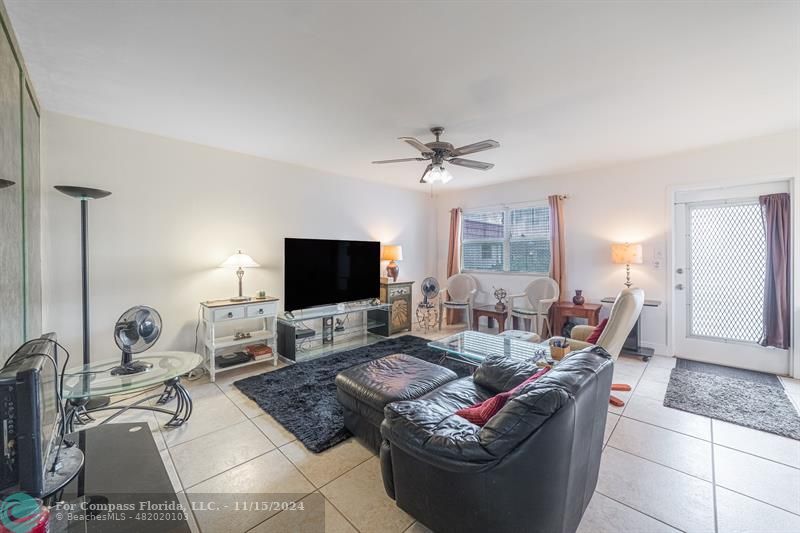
x,y
729,372
302,397
753,403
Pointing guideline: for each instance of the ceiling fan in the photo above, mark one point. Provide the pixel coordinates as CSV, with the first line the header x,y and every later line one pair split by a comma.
x,y
439,153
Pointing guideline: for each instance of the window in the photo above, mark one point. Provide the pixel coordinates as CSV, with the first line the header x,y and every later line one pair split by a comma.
x,y
506,240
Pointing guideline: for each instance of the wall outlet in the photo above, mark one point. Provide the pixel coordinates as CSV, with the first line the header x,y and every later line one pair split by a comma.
x,y
658,259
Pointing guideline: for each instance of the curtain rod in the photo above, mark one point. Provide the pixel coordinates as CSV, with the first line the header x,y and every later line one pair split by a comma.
x,y
506,204
561,196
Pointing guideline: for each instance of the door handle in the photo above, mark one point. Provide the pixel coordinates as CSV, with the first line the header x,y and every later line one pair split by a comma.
x,y
679,271
679,286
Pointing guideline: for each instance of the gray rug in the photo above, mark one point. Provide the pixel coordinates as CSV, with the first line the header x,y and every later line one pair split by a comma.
x,y
738,401
730,372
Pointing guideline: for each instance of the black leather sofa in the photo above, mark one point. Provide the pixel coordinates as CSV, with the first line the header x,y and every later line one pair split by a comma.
x,y
533,467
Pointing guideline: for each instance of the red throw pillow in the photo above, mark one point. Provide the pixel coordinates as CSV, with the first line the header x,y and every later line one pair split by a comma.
x,y
480,413
592,339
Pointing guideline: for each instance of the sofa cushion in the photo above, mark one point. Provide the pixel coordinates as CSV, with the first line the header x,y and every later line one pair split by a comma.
x,y
457,394
480,413
500,373
391,378
537,401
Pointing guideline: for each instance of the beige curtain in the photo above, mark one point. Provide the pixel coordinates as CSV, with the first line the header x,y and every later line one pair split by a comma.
x,y
454,256
558,266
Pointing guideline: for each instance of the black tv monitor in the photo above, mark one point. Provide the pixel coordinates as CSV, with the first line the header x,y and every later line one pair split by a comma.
x,y
29,414
324,272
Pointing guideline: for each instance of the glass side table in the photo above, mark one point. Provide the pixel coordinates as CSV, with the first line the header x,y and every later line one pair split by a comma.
x,y
95,379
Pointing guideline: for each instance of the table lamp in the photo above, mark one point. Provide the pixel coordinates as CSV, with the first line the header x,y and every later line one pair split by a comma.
x,y
240,261
626,254
392,253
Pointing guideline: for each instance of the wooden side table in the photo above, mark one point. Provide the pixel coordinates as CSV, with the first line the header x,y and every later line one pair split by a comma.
x,y
564,310
491,313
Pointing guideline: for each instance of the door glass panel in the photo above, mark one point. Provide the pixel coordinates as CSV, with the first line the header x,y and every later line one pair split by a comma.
x,y
727,259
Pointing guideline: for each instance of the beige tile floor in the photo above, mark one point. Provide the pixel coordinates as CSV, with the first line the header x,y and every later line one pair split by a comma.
x,y
662,469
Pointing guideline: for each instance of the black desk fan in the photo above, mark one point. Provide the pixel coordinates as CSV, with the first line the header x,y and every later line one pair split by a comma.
x,y
136,330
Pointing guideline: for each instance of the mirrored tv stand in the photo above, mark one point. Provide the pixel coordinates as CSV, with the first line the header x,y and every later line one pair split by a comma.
x,y
319,331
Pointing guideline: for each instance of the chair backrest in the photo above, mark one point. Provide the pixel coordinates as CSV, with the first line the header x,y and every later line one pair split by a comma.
x,y
541,289
624,314
460,285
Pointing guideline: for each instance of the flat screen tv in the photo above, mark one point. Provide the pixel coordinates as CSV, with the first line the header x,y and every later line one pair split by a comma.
x,y
324,272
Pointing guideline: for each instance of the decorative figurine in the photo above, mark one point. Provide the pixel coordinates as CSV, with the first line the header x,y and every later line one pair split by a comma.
x,y
502,297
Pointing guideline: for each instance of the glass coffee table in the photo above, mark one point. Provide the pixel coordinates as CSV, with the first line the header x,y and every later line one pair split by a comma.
x,y
95,379
472,347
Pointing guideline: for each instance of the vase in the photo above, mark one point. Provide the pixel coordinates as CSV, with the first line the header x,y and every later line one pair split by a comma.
x,y
578,299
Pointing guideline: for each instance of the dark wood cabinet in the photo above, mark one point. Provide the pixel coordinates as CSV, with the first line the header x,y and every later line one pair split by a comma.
x,y
398,294
20,210
12,325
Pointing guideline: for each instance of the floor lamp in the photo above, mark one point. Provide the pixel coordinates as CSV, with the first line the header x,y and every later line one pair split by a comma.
x,y
84,194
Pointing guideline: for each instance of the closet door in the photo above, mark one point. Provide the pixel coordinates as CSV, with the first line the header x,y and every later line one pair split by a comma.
x,y
11,243
32,217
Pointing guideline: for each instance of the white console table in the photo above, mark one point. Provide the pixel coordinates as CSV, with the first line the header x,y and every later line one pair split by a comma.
x,y
228,315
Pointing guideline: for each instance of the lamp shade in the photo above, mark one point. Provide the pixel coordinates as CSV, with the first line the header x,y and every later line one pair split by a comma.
x,y
626,254
392,252
239,260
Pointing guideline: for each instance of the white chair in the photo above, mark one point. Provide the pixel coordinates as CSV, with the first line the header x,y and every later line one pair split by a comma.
x,y
461,290
534,304
624,313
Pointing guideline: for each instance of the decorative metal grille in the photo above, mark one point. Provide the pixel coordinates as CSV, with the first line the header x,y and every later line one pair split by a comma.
x,y
727,258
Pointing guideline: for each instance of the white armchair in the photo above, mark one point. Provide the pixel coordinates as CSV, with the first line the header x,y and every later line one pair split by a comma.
x,y
624,315
534,304
459,294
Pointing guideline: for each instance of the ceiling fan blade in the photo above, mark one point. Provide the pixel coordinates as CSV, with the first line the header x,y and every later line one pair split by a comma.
x,y
417,144
422,179
476,147
399,160
469,163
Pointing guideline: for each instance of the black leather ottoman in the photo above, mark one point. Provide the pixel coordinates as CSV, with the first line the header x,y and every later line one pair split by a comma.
x,y
365,389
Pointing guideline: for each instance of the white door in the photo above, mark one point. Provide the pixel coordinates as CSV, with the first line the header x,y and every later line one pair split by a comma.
x,y
720,262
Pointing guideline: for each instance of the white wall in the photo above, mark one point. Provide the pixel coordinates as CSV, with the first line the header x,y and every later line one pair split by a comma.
x,y
177,210
628,202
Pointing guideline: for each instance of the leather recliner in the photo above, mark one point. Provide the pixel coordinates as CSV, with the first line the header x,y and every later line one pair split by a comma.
x,y
532,467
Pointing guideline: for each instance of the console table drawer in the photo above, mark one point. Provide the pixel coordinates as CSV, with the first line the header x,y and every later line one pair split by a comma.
x,y
232,313
262,310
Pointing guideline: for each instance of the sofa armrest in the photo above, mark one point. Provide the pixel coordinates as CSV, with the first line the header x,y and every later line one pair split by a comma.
x,y
442,439
575,344
581,332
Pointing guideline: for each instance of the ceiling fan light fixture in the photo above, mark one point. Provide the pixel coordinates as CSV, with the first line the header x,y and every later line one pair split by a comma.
x,y
437,174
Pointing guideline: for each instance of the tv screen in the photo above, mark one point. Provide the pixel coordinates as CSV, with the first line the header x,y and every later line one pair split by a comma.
x,y
324,272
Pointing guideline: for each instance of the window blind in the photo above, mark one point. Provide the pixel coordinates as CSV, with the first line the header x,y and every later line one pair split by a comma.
x,y
507,240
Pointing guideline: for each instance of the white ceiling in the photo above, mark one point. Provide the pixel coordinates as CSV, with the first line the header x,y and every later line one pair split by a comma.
x,y
330,85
